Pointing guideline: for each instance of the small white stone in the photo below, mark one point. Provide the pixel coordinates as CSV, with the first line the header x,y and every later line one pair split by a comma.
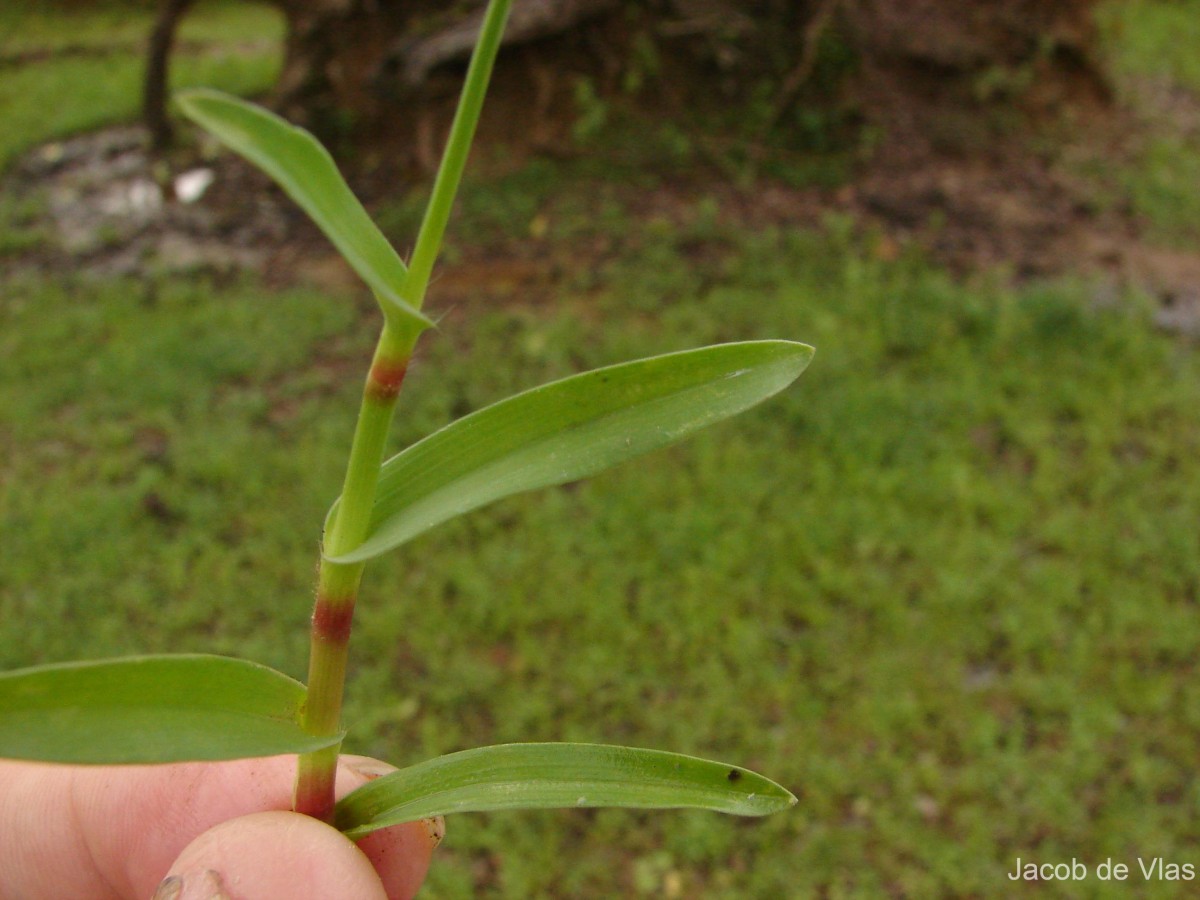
x,y
191,185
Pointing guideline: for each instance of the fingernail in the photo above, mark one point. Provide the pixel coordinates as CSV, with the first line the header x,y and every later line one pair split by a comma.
x,y
436,829
212,887
209,886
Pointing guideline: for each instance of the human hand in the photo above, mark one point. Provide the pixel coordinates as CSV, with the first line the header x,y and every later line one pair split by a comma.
x,y
210,831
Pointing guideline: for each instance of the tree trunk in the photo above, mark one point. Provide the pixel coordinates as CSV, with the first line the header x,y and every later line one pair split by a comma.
x,y
154,91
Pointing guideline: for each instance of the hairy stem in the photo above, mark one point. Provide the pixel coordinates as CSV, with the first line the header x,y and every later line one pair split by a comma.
x,y
337,584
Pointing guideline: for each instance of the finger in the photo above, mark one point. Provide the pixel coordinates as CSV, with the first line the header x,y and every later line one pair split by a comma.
x,y
272,855
111,832
268,855
400,854
104,833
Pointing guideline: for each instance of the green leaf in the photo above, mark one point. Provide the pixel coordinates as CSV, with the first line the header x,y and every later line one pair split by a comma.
x,y
541,776
152,709
306,171
570,429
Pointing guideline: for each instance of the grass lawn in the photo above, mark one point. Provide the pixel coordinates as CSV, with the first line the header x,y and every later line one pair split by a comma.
x,y
82,67
1150,44
945,588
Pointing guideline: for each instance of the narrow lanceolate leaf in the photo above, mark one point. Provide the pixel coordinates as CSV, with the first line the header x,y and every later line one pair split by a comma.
x,y
306,171
570,429
540,776
151,709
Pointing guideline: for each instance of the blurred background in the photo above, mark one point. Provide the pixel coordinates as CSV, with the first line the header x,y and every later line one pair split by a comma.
x,y
944,588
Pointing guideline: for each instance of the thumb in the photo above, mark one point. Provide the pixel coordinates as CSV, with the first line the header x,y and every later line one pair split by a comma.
x,y
400,854
283,854
268,855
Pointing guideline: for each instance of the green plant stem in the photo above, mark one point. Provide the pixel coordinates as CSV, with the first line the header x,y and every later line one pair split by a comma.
x,y
454,159
337,584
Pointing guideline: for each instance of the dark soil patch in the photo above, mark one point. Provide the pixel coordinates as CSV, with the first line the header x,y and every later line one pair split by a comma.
x,y
987,198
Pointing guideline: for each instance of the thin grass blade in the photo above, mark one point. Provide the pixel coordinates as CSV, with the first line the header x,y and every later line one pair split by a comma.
x,y
152,709
541,776
570,429
307,173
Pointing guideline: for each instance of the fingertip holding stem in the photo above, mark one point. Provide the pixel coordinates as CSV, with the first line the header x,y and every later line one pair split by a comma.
x,y
400,854
275,854
283,854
